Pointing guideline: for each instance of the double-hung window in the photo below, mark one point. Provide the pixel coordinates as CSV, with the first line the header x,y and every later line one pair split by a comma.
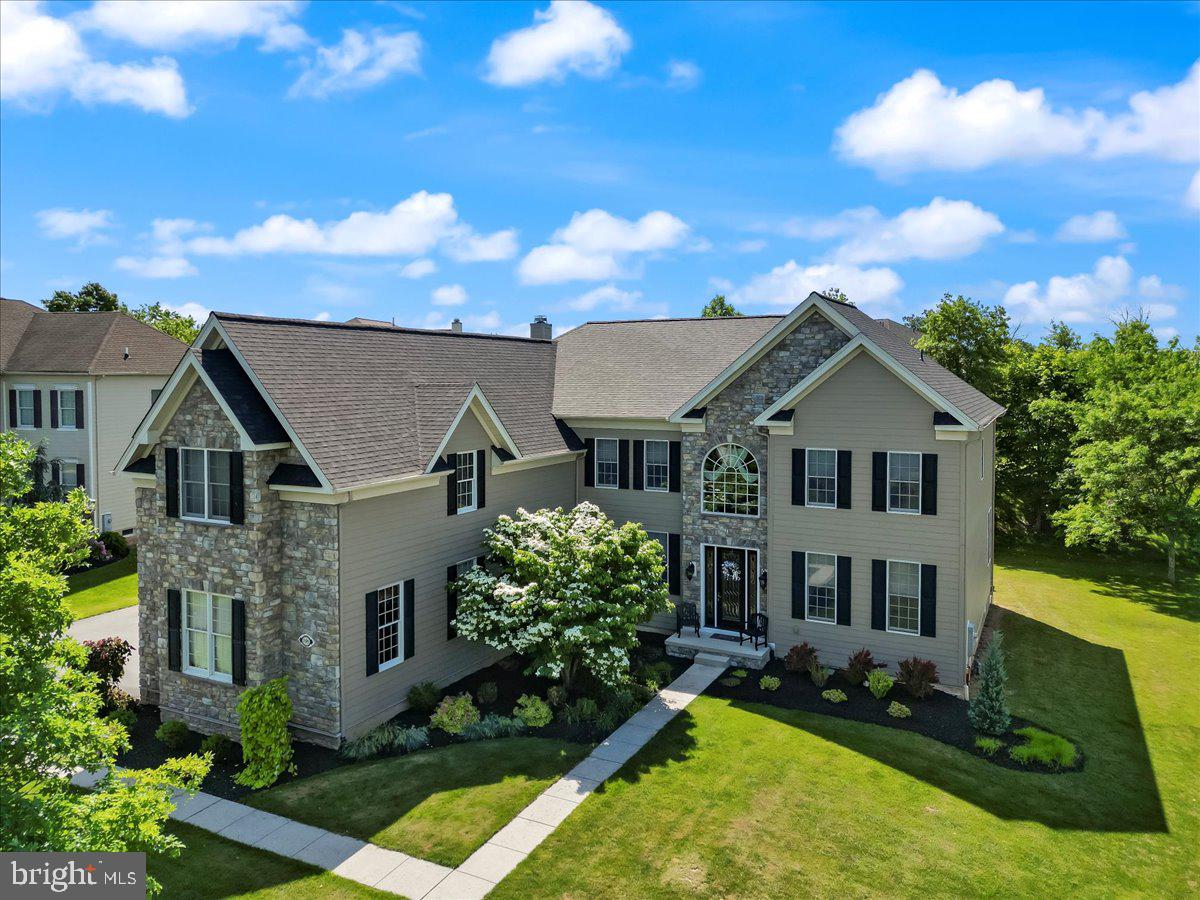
x,y
663,538
904,482
68,474
464,475
26,407
208,635
821,595
903,597
608,462
658,465
64,399
204,484
821,467
390,611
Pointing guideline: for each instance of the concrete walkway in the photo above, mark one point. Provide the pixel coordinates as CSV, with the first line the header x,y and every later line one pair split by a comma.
x,y
118,623
418,879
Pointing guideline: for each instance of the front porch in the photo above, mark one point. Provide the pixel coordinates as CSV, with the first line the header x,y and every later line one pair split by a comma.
x,y
689,646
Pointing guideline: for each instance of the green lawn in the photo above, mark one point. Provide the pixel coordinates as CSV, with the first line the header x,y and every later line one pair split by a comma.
x,y
752,801
438,804
214,867
102,590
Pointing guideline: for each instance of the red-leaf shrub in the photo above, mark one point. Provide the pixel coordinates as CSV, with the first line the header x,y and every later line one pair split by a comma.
x,y
107,657
918,676
800,658
859,666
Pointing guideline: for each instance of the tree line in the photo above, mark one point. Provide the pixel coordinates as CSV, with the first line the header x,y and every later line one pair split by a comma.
x,y
94,297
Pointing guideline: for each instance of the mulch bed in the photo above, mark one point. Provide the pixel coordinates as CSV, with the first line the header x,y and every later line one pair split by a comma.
x,y
147,751
940,716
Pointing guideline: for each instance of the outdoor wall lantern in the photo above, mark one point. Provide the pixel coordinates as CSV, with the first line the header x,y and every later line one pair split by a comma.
x,y
690,571
762,579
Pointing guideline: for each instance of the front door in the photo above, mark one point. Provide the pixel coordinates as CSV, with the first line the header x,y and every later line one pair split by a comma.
x,y
731,586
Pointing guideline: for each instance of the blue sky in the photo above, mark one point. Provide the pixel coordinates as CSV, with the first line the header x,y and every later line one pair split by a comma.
x,y
419,161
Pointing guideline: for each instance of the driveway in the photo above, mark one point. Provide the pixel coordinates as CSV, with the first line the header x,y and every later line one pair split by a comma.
x,y
118,623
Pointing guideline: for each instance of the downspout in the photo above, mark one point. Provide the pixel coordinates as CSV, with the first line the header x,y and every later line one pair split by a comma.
x,y
92,418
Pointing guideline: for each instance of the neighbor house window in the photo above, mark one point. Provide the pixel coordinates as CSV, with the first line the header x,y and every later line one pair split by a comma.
x,y
904,482
390,607
822,588
465,477
204,484
65,398
821,467
68,474
608,462
904,597
208,635
26,407
658,465
730,481
663,538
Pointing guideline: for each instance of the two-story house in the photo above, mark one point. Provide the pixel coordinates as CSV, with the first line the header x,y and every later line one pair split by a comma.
x,y
307,491
77,384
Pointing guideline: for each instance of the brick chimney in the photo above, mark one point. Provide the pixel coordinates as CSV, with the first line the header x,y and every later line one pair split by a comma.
x,y
540,329
456,326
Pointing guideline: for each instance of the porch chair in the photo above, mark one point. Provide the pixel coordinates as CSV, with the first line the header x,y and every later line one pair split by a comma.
x,y
755,629
686,616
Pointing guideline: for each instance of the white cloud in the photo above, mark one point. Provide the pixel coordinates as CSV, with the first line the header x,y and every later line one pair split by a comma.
x,y
683,75
85,226
568,37
1100,227
187,23
156,266
752,246
418,268
43,57
466,246
1152,288
359,62
605,295
431,131
1191,198
944,229
1090,296
449,295
195,310
594,244
920,123
323,316
790,283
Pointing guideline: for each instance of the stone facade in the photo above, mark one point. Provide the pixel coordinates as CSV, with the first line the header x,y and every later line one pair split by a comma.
x,y
282,562
728,420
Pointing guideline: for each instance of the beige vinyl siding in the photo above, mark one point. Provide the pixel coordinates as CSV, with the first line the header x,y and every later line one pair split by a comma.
x,y
978,497
864,408
74,445
654,510
121,403
389,539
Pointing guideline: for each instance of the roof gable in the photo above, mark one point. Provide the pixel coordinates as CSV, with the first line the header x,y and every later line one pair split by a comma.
x,y
476,404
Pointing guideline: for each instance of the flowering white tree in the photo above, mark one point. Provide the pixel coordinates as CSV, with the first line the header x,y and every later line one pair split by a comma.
x,y
566,587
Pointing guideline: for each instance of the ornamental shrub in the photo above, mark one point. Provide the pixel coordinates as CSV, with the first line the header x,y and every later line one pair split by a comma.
x,y
730,681
769,683
493,726
454,714
487,693
1049,750
658,673
223,749
263,714
114,698
739,673
172,733
898,710
879,682
115,543
533,711
859,666
819,673
556,695
583,711
106,658
800,657
988,709
834,696
127,717
918,676
988,745
424,696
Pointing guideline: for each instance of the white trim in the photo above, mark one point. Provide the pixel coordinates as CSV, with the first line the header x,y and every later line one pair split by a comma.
x,y
758,592
758,485
621,424
807,475
887,598
666,488
497,432
56,397
399,657
474,481
920,483
533,462
34,389
209,674
207,518
807,615
596,466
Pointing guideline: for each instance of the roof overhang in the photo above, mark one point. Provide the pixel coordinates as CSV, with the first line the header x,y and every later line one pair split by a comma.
x,y
477,403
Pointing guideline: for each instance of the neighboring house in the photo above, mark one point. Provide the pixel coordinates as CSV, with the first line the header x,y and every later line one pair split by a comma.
x,y
307,491
78,384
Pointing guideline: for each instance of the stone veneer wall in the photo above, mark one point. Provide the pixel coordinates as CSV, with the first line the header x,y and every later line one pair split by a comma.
x,y
728,420
282,562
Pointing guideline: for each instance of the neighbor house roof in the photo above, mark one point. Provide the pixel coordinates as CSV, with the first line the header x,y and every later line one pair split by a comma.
x,y
86,343
371,404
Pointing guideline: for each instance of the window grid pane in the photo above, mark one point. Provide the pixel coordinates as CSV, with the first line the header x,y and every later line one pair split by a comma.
x,y
608,465
730,482
822,587
904,597
465,476
389,624
67,475
822,477
25,407
658,468
218,484
66,409
192,478
904,482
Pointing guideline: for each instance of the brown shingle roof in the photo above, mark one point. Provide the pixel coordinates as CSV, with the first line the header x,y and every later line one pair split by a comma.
x,y
92,343
15,316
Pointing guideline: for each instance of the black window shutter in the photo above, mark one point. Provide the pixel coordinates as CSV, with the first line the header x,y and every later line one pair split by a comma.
x,y
37,409
237,488
451,601
174,632
239,641
12,409
79,409
798,584
879,594
843,590
676,475
879,485
410,612
172,457
54,401
798,471
372,644
929,484
673,565
80,476
55,472
589,462
481,457
843,479
452,485
623,460
639,465
928,601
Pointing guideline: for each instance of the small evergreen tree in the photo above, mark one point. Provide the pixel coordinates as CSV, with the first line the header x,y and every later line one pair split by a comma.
x,y
988,709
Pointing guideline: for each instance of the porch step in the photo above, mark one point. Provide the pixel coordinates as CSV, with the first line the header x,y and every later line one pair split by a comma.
x,y
711,659
715,651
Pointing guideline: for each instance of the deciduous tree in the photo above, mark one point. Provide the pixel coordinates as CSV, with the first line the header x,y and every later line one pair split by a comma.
x,y
717,307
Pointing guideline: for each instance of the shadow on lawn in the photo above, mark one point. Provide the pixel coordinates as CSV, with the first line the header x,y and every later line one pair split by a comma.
x,y
1076,688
